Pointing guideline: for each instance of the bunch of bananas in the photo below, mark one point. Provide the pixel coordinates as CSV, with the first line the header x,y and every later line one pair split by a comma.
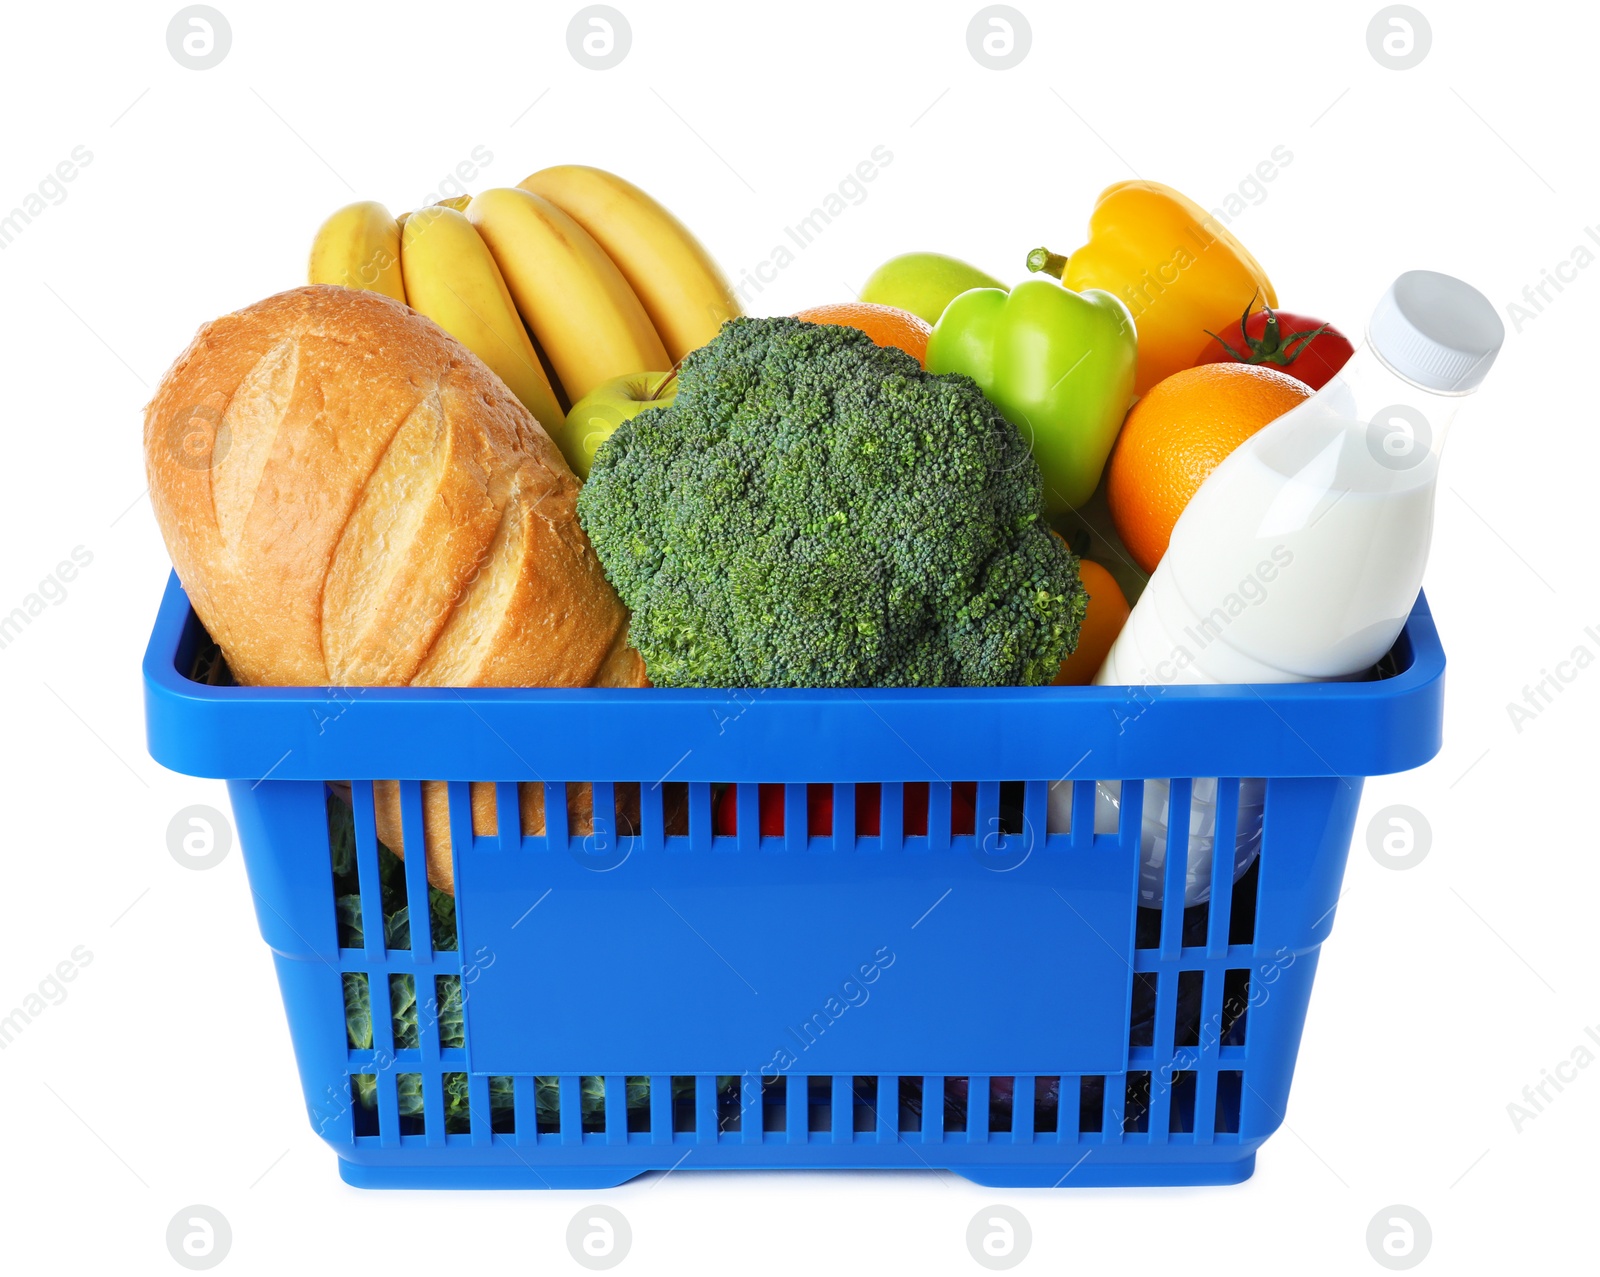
x,y
571,279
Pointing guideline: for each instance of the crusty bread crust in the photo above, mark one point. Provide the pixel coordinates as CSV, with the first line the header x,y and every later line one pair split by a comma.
x,y
485,818
352,498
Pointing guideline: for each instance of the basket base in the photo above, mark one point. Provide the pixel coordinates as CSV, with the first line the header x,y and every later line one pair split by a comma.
x,y
359,1175
1085,1173
1111,1175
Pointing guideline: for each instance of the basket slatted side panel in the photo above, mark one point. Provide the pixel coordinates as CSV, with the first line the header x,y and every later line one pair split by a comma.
x,y
1193,969
1188,1016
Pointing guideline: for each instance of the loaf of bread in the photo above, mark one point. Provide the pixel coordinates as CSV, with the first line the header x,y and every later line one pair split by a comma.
x,y
485,816
352,498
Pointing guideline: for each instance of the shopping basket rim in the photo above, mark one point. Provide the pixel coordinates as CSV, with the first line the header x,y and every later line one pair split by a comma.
x,y
888,734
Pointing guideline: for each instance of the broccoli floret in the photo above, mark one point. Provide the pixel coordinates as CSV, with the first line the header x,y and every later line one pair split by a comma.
x,y
814,510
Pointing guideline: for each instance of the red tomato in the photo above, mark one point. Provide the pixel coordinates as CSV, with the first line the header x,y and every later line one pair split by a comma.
x,y
963,809
1309,350
725,818
819,810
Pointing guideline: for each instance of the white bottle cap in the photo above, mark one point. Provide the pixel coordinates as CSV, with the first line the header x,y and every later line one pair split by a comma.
x,y
1436,331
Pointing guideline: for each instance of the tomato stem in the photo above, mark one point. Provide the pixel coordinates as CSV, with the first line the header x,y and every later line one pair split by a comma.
x,y
1272,347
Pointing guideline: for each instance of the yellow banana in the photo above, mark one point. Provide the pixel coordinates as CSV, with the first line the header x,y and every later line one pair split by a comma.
x,y
580,308
359,247
457,202
684,293
452,279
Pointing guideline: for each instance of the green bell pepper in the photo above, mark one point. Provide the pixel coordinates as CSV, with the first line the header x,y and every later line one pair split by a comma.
x,y
1060,366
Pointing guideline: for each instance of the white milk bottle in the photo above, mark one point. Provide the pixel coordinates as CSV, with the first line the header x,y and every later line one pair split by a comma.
x,y
1302,554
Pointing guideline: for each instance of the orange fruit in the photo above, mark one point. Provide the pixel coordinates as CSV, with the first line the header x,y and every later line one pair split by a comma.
x,y
886,325
1108,609
1177,435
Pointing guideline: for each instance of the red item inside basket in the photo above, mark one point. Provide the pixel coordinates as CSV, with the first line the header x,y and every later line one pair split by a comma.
x,y
819,809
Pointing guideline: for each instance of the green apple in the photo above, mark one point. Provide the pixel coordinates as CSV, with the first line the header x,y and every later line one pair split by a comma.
x,y
923,283
606,407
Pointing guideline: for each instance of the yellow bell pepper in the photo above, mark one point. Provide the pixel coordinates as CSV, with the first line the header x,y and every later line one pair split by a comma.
x,y
1181,272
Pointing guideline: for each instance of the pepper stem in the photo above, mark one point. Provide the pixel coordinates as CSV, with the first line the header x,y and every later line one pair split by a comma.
x,y
1043,261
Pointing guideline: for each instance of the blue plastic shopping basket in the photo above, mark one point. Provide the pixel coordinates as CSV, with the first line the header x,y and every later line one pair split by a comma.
x,y
617,987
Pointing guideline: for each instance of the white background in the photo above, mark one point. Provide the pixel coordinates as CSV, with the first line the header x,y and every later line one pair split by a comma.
x,y
166,1078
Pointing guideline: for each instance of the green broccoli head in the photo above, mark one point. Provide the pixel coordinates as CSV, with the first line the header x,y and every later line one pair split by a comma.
x,y
814,510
